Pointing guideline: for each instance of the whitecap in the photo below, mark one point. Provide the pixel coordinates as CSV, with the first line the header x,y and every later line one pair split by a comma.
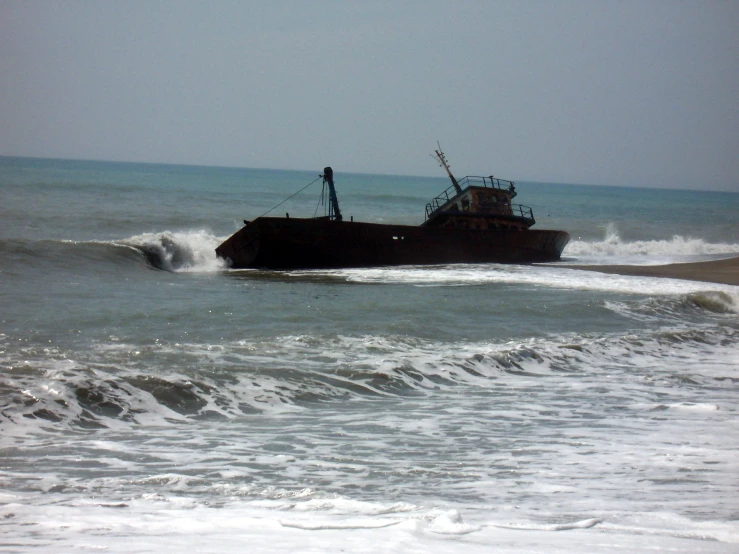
x,y
581,524
179,251
614,250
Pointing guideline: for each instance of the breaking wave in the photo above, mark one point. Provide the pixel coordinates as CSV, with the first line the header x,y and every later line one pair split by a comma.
x,y
175,251
616,250
178,251
677,307
113,385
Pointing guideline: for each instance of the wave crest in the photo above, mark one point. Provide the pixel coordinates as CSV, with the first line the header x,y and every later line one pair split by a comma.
x,y
677,247
109,386
192,251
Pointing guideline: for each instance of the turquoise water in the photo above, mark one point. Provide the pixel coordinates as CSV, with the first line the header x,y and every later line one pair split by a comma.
x,y
164,197
157,399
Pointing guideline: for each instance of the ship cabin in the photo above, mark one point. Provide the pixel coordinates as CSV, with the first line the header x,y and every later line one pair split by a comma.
x,y
478,203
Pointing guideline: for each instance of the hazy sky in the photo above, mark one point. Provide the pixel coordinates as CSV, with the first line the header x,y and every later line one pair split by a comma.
x,y
642,93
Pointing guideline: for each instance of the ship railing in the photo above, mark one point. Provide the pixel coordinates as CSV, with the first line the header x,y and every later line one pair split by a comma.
x,y
490,182
523,212
470,180
436,204
508,210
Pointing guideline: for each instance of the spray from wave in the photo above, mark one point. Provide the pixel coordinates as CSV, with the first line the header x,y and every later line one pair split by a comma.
x,y
613,249
182,251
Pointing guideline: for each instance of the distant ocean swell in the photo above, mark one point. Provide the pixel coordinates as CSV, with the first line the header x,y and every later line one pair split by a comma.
x,y
116,384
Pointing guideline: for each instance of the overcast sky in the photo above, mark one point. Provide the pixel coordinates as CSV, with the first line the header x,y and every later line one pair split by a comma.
x,y
642,93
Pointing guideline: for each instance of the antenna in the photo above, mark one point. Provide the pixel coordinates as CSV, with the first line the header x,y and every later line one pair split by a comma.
x,y
441,158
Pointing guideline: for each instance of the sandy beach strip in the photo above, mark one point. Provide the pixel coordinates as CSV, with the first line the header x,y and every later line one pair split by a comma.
x,y
725,272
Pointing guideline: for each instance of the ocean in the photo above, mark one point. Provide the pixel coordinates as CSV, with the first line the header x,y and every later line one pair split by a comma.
x,y
153,400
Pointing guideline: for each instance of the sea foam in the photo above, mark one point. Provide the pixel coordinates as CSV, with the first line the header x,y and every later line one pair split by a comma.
x,y
179,251
117,389
614,250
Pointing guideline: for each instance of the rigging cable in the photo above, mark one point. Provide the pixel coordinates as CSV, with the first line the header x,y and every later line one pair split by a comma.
x,y
289,197
320,198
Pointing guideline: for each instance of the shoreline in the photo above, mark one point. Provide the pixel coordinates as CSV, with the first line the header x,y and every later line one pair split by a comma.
x,y
723,272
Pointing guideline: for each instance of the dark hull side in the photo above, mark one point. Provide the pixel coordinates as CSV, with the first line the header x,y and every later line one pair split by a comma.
x,y
282,243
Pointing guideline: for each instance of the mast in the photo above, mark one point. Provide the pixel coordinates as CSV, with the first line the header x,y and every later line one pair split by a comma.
x,y
328,177
442,160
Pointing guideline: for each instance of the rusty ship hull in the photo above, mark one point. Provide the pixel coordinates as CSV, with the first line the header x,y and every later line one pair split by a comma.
x,y
296,243
472,221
